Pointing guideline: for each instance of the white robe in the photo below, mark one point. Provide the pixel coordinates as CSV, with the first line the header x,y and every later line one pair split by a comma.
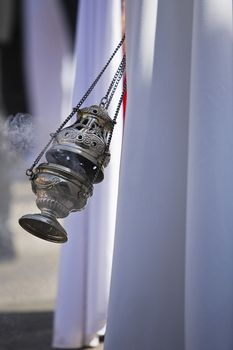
x,y
85,263
48,66
172,279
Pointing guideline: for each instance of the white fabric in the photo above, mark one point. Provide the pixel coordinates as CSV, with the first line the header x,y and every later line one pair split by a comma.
x,y
85,263
172,279
209,246
48,59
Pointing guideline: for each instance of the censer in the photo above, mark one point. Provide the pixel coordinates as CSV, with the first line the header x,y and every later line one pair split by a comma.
x,y
76,157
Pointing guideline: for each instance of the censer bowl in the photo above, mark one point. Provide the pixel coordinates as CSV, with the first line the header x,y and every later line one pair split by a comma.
x,y
59,192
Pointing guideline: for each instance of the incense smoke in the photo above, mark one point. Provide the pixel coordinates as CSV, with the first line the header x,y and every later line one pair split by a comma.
x,y
17,134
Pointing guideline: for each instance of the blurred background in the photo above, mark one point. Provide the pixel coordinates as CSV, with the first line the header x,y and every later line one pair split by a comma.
x,y
28,266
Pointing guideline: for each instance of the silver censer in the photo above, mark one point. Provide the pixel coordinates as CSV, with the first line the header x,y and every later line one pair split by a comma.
x,y
76,157
75,161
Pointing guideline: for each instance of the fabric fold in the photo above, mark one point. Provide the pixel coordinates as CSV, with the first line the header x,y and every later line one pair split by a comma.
x,y
85,264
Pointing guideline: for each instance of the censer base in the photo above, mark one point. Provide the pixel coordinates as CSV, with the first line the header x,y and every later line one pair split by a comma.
x,y
45,227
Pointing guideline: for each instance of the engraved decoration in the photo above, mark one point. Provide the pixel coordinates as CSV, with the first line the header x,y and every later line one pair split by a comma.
x,y
75,161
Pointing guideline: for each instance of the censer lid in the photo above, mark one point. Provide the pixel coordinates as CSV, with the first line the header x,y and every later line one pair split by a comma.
x,y
97,111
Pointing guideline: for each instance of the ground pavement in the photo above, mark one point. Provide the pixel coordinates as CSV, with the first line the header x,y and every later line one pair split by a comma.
x,y
28,279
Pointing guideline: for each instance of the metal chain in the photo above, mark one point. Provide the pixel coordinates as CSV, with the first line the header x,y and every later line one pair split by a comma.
x,y
105,101
116,84
29,172
116,115
106,152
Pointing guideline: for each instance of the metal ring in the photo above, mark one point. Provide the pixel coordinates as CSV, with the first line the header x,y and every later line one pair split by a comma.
x,y
103,101
29,172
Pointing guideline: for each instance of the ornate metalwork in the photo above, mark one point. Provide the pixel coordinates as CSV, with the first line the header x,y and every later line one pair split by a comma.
x,y
76,160
64,184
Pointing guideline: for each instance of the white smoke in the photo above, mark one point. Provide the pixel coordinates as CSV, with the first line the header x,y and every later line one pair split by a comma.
x,y
18,135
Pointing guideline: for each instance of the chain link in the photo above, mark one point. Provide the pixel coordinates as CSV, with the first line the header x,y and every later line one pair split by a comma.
x,y
29,172
105,100
116,115
118,78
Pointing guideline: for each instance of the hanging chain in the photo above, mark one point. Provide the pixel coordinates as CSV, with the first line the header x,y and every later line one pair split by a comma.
x,y
104,103
106,152
116,83
29,172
